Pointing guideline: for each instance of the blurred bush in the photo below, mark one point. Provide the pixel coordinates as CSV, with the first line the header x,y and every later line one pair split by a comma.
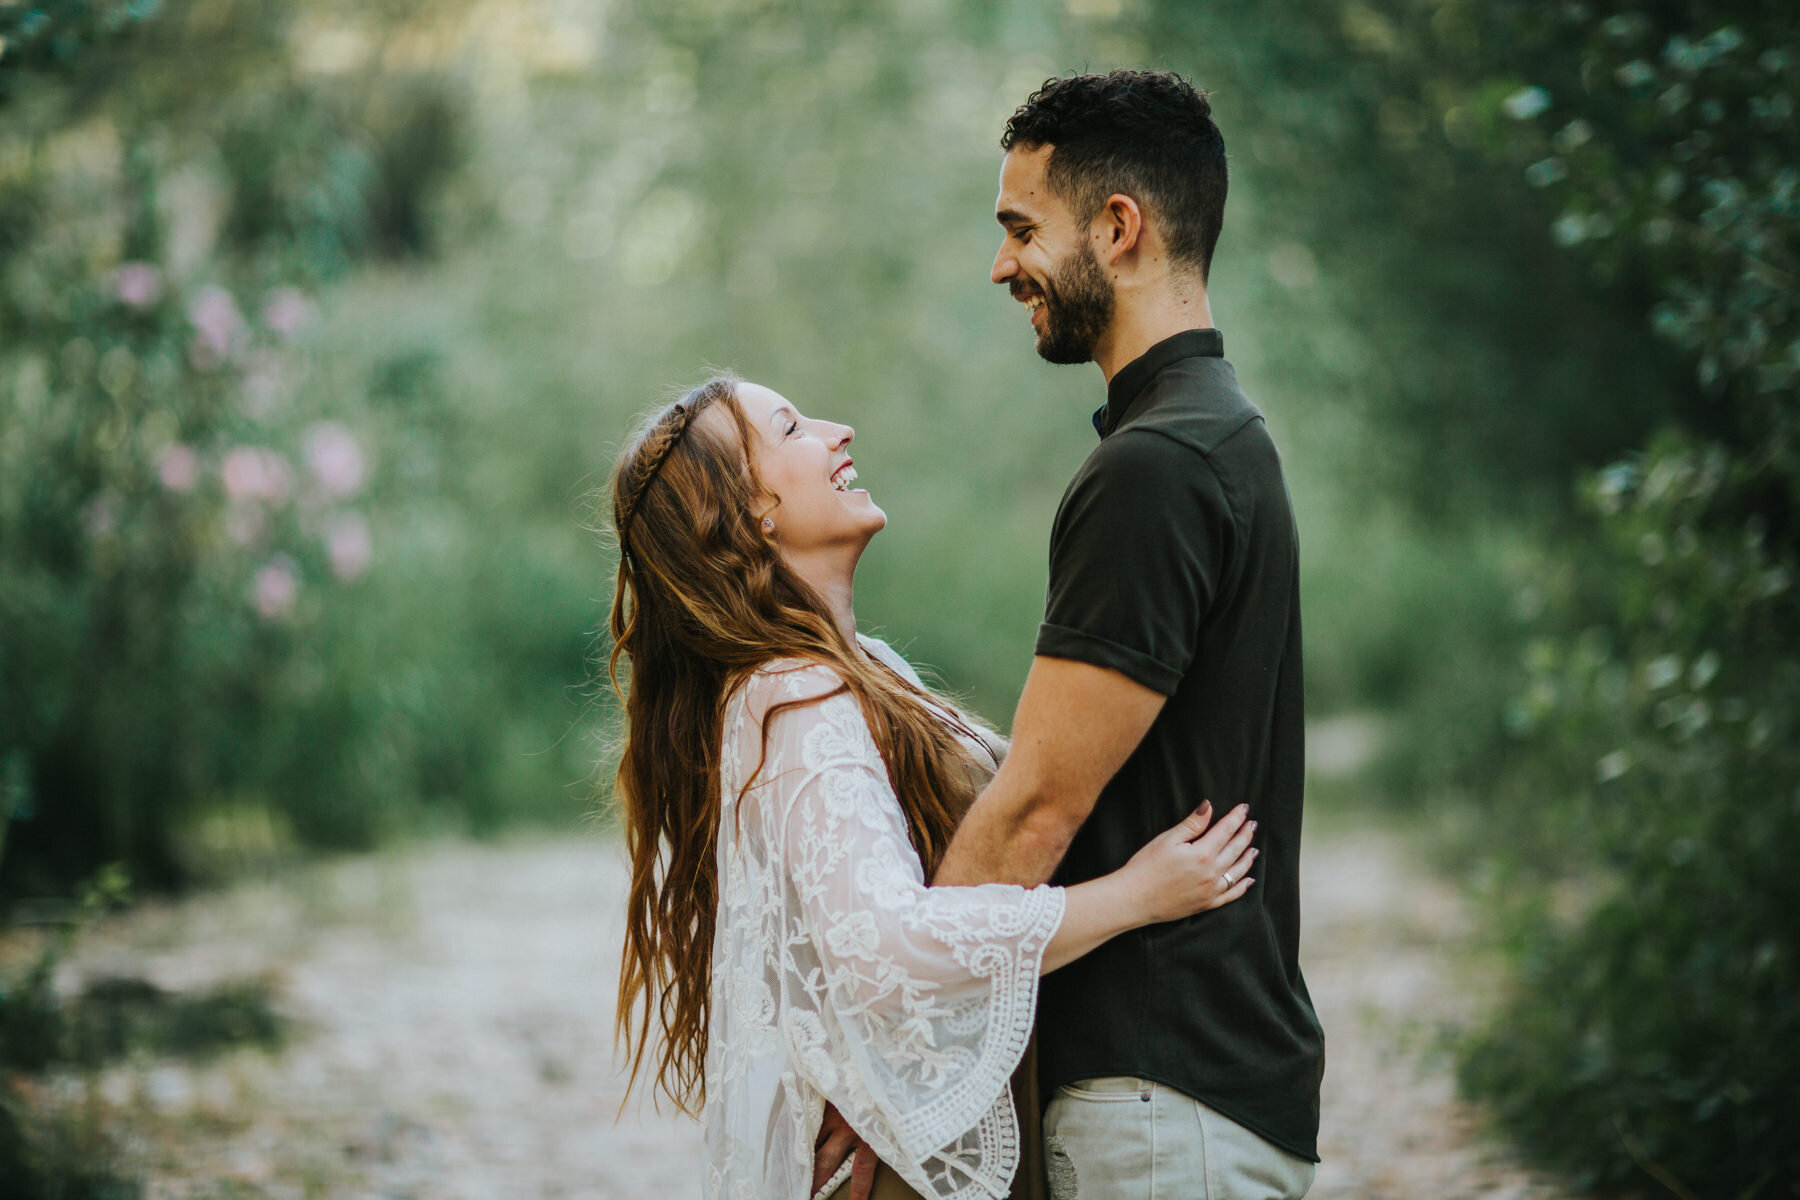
x,y
60,1138
244,603
1652,1036
46,1151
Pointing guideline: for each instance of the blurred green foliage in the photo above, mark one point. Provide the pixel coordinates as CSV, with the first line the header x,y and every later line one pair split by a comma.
x,y
55,33
1652,1037
247,600
31,1016
59,1140
47,1154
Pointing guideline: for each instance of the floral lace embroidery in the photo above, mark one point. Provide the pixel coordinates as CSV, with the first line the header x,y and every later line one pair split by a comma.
x,y
839,976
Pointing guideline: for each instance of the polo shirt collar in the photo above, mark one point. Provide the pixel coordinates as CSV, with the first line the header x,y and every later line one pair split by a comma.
x,y
1131,381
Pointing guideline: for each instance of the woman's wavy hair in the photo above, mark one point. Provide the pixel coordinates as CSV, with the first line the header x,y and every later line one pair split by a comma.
x,y
701,601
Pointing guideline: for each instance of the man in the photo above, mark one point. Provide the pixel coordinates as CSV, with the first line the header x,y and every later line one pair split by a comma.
x,y
1167,671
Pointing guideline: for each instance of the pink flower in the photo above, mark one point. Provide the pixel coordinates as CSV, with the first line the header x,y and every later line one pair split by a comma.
x,y
255,473
178,468
219,328
347,544
336,459
276,588
138,284
287,311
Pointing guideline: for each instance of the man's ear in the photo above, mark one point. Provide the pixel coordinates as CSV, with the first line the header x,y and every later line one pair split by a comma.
x,y
1117,228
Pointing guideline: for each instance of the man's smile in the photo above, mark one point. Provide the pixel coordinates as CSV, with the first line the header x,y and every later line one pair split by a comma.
x,y
1031,298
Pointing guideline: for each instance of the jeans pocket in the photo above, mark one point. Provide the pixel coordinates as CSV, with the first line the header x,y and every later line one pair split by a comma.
x,y
1113,1089
1098,1139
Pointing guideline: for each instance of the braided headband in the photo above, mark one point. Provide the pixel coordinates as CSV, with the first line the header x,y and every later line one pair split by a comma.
x,y
683,416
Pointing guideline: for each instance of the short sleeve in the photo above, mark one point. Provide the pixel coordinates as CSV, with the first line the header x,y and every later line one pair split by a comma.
x,y
907,1007
1137,554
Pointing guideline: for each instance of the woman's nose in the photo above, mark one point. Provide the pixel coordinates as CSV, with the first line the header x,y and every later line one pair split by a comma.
x,y
845,435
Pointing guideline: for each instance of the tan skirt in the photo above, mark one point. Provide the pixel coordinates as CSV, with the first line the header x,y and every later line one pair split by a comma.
x,y
1029,1184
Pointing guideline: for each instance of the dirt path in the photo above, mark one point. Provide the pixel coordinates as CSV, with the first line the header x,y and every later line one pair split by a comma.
x,y
454,1005
1376,947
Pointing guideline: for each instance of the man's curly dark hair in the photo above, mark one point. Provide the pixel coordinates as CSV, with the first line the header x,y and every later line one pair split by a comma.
x,y
1146,134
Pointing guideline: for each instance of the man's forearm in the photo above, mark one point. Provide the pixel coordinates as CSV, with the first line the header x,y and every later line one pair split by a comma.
x,y
1006,838
1076,724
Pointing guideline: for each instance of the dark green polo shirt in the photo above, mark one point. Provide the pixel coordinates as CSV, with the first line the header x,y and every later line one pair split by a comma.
x,y
1174,561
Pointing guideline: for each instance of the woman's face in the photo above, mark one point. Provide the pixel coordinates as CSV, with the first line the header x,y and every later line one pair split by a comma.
x,y
806,464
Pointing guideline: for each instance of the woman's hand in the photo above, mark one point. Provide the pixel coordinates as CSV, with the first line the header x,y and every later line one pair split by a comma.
x,y
1189,868
1182,871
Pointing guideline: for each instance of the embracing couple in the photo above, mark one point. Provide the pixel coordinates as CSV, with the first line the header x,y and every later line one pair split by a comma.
x,y
852,903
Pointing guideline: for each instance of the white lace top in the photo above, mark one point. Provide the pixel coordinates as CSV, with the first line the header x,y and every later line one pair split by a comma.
x,y
837,975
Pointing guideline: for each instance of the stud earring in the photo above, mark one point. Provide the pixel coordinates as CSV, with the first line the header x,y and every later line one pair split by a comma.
x,y
768,524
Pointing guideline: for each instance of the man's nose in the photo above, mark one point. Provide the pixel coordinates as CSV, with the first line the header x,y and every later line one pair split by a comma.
x,y
1005,266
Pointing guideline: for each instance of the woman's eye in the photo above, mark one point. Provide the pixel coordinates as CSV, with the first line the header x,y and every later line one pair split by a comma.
x,y
792,428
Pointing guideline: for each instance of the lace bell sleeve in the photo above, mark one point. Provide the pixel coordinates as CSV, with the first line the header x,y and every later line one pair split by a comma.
x,y
907,1007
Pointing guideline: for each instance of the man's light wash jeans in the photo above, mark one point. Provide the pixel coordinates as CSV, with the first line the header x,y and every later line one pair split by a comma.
x,y
1120,1138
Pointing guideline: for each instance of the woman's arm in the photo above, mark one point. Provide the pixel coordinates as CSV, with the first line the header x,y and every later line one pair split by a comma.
x,y
1184,870
843,865
907,1007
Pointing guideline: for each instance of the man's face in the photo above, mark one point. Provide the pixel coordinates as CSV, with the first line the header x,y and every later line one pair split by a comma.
x,y
1048,263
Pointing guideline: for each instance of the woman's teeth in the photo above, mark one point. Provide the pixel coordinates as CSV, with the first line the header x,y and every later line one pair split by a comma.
x,y
843,479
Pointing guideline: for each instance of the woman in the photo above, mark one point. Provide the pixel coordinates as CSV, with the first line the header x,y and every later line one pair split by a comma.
x,y
787,787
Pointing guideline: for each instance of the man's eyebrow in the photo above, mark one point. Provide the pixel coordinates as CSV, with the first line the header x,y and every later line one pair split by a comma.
x,y
1009,216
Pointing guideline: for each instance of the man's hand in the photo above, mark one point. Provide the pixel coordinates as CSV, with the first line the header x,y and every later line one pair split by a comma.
x,y
835,1143
1076,726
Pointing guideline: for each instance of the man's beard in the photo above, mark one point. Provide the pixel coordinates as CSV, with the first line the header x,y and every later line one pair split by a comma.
x,y
1078,307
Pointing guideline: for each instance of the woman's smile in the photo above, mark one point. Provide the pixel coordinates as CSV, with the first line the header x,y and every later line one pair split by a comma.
x,y
805,465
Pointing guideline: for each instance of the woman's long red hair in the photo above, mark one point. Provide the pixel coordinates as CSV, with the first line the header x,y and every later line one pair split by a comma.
x,y
700,602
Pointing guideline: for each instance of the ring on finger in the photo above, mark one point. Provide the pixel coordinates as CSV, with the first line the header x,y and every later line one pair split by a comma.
x,y
1227,878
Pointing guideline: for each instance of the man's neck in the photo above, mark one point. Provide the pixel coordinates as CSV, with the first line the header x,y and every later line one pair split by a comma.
x,y
1139,322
